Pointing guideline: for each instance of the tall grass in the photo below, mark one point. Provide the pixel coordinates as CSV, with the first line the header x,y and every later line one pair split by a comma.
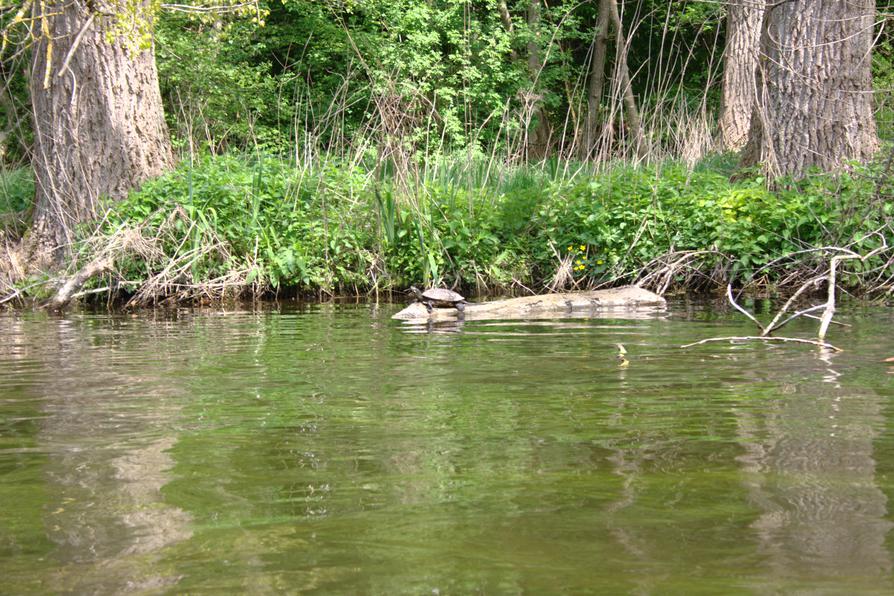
x,y
16,190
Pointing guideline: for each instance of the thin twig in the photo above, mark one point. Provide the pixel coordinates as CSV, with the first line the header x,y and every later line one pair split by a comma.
x,y
814,342
11,296
773,326
74,45
795,316
729,294
809,316
93,291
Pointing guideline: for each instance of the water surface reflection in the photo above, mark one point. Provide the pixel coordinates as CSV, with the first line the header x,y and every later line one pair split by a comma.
x,y
331,449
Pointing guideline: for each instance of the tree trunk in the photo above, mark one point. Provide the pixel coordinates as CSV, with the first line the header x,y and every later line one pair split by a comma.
x,y
539,136
596,86
743,34
506,18
98,120
634,122
814,101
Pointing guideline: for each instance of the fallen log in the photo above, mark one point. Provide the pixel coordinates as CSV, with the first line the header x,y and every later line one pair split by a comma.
x,y
627,298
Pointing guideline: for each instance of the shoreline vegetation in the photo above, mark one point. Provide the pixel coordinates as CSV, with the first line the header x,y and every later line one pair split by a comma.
x,y
499,147
253,225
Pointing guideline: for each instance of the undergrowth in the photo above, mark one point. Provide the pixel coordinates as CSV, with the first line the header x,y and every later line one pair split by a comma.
x,y
16,190
334,228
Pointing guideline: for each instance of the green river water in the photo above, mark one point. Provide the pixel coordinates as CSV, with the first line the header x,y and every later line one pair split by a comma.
x,y
331,450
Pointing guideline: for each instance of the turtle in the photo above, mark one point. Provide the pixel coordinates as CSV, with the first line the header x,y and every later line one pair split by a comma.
x,y
439,297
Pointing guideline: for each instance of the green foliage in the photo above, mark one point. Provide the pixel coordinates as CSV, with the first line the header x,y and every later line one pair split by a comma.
x,y
883,81
16,135
628,217
451,72
16,190
218,90
329,228
16,197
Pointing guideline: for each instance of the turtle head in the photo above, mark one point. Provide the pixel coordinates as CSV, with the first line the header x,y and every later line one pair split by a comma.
x,y
415,292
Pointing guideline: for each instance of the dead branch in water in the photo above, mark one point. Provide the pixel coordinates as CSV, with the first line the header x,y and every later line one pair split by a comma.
x,y
74,283
106,251
658,274
827,307
814,342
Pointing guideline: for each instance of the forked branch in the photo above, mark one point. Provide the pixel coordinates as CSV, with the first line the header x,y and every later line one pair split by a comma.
x,y
827,307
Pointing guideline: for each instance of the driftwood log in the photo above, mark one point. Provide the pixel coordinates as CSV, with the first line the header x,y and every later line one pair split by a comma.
x,y
621,299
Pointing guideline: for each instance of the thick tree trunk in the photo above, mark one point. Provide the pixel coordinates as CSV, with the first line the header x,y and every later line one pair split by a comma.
x,y
596,84
743,34
814,101
98,120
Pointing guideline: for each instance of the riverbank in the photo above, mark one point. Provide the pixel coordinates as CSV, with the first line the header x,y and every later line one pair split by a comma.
x,y
231,226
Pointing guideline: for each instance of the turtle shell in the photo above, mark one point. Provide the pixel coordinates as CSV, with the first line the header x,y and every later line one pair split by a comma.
x,y
442,295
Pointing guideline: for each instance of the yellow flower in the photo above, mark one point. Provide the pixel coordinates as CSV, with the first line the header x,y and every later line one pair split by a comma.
x,y
570,248
582,247
600,262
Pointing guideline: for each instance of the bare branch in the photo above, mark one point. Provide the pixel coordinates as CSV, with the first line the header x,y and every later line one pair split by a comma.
x,y
773,326
814,342
76,282
729,295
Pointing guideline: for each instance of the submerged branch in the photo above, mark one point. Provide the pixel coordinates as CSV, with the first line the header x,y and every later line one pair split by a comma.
x,y
732,300
814,342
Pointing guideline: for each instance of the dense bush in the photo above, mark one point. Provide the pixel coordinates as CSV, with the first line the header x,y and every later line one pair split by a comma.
x,y
453,71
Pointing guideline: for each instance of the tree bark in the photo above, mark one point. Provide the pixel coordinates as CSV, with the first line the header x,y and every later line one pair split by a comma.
x,y
98,120
814,101
596,84
506,18
539,136
743,34
634,122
